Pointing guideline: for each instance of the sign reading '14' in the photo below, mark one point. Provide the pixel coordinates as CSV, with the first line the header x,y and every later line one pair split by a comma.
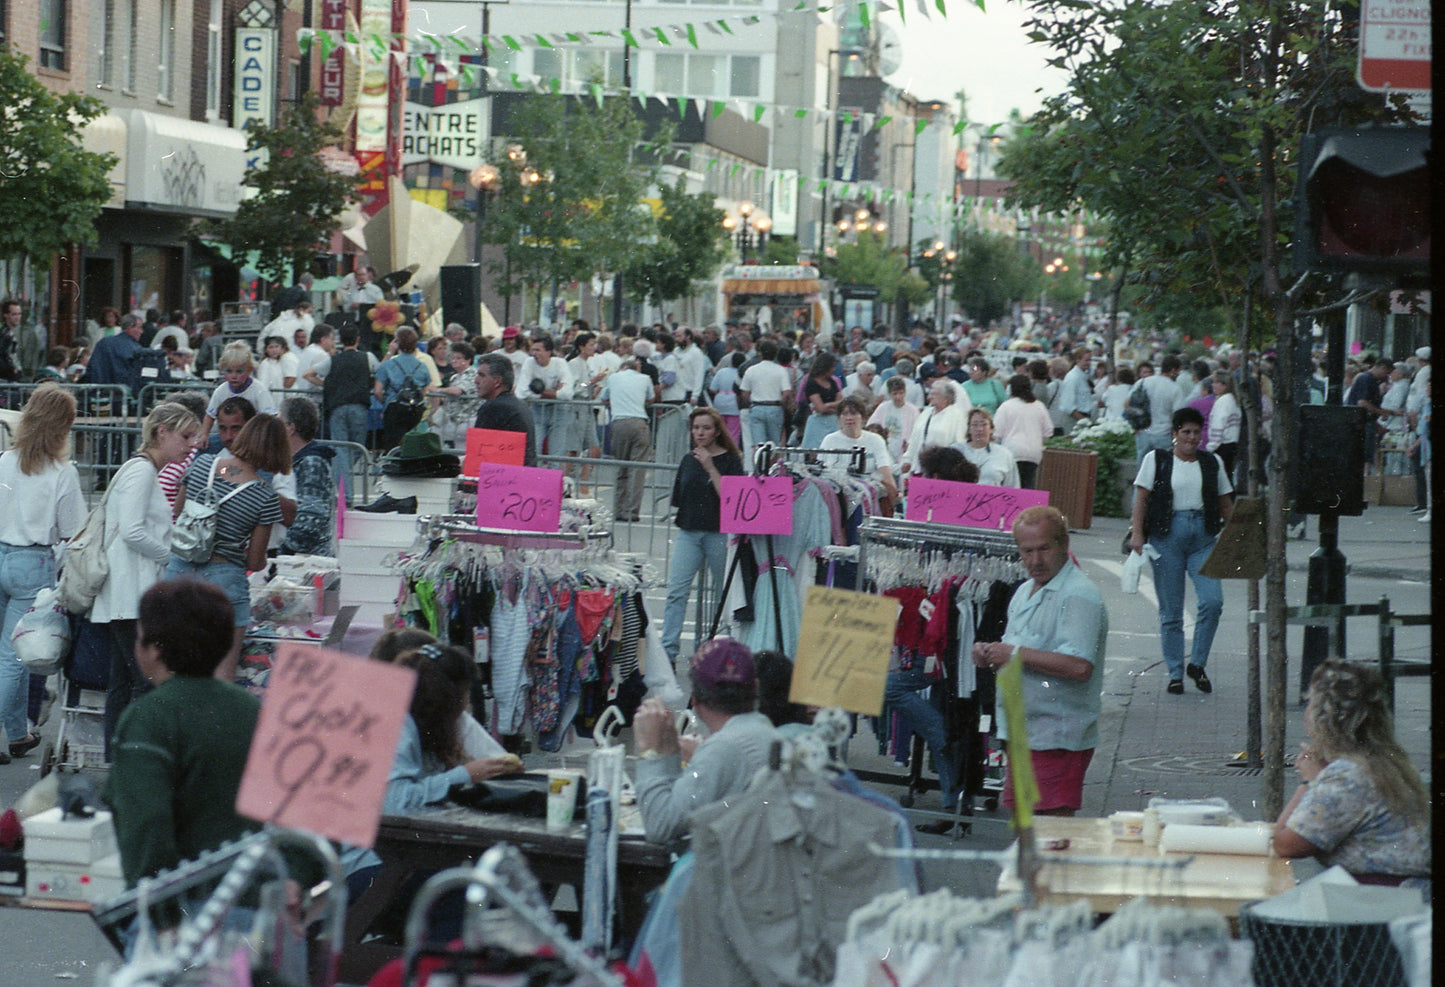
x,y
757,505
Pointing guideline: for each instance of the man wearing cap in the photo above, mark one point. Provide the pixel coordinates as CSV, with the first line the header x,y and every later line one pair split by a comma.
x,y
512,349
725,699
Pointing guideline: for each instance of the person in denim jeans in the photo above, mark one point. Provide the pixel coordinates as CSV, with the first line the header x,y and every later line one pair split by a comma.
x,y
1181,501
697,496
44,506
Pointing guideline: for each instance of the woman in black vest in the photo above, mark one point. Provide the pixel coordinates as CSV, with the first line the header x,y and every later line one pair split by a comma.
x,y
1181,501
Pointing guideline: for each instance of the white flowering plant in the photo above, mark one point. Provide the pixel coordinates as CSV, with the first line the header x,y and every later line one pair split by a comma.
x,y
1113,440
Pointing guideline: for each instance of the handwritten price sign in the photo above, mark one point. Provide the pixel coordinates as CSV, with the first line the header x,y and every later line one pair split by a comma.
x,y
757,505
522,498
843,649
972,505
325,742
491,445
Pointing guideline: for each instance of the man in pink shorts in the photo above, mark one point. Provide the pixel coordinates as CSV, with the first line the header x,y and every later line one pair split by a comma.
x,y
1057,627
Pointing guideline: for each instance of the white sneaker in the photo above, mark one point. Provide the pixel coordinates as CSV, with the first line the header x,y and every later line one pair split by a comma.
x,y
1424,518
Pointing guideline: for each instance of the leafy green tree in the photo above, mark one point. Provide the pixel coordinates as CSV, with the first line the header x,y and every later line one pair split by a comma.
x,y
567,202
870,261
690,246
781,250
298,199
990,274
52,187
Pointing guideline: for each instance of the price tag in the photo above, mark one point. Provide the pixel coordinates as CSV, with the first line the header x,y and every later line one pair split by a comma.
x,y
210,374
757,505
971,505
491,445
522,498
324,744
843,649
149,372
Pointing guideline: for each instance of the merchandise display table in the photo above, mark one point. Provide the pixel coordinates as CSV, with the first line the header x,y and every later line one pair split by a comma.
x,y
452,836
1220,881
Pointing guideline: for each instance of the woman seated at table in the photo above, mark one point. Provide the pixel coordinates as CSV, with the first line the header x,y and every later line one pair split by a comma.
x,y
996,466
1362,805
877,463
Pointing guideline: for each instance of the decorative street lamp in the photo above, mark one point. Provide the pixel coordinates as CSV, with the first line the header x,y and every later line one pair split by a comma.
x,y
486,178
750,227
946,257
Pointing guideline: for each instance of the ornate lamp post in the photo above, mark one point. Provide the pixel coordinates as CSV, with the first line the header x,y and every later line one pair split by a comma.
x,y
487,178
946,257
750,227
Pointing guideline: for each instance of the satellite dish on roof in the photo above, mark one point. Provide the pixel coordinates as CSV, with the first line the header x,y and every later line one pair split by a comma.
x,y
889,50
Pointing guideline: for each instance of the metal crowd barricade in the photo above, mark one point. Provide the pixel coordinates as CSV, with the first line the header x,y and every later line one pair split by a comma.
x,y
92,400
100,448
160,391
359,466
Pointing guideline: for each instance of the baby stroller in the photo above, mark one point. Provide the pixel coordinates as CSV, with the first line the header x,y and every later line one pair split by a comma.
x,y
85,676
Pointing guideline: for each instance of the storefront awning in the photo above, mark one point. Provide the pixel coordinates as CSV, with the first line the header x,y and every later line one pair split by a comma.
x,y
771,286
181,166
106,134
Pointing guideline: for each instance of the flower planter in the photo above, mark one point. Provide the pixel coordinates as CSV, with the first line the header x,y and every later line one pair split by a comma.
x,y
1069,476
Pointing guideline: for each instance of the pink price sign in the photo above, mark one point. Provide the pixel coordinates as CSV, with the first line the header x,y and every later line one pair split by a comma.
x,y
522,498
757,505
972,505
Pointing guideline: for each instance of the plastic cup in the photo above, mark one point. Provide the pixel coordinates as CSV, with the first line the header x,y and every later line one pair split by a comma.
x,y
562,787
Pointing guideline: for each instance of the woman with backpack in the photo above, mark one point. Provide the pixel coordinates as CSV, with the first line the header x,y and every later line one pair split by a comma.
x,y
401,384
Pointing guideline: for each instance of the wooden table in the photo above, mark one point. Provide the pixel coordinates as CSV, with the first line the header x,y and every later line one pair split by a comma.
x,y
453,836
1219,881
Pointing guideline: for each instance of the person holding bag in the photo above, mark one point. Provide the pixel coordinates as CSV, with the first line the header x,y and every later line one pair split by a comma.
x,y
137,546
242,508
44,507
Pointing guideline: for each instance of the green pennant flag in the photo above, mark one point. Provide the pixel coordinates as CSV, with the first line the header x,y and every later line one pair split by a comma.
x,y
799,113
718,105
511,42
629,39
723,24
682,109
737,167
575,37
661,35
460,44
882,122
692,35
863,16
469,76
517,81
350,38
943,8
543,42
596,90
920,127
303,41
980,5
555,85
325,45
958,127
712,163
758,112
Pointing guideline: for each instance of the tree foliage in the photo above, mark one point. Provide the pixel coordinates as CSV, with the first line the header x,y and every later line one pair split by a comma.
x,y
584,214
298,199
52,187
870,261
989,274
690,246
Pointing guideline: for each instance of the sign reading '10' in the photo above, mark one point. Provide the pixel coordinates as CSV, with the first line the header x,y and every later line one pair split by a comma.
x,y
753,505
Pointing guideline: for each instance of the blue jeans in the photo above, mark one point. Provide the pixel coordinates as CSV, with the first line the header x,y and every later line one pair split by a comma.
x,y
1182,551
24,572
348,424
690,550
766,424
903,692
1146,441
228,577
817,427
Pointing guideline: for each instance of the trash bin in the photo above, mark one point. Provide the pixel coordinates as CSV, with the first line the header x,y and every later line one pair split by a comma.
x,y
1069,476
1300,953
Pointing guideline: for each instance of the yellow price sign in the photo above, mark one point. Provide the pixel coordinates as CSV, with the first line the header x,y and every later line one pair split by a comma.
x,y
843,649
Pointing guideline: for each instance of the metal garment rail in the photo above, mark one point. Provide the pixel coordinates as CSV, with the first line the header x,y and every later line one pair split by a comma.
x,y
926,534
1332,615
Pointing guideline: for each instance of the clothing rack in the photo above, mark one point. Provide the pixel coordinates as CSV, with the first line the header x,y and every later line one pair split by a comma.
x,y
764,454
459,528
944,537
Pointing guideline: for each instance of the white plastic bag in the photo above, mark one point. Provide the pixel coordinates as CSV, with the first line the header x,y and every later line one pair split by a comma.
x,y
657,671
1133,566
42,634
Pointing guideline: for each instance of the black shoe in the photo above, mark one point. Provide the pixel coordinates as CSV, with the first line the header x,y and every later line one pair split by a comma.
x,y
1176,687
387,504
1200,679
19,748
941,826
1419,510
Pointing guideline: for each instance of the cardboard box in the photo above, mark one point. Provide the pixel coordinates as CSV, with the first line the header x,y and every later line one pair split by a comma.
x,y
394,530
51,839
100,881
1390,491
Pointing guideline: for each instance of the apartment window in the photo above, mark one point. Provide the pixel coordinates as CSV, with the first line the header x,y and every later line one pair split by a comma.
x,y
213,62
52,34
547,64
166,53
745,72
132,42
671,71
106,74
4,18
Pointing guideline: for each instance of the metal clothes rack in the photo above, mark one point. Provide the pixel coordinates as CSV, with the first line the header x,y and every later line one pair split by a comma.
x,y
764,455
459,528
925,534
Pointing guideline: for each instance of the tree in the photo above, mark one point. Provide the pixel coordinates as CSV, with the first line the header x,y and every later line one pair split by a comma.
x,y
870,261
53,188
990,274
1179,126
690,246
298,197
567,204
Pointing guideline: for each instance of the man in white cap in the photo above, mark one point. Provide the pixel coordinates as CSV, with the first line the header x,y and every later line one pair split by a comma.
x,y
512,348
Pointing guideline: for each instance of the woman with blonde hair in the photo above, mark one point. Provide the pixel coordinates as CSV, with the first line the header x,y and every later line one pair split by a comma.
x,y
138,545
1362,805
44,506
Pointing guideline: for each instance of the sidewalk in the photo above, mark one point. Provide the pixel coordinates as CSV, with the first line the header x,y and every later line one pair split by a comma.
x,y
1185,746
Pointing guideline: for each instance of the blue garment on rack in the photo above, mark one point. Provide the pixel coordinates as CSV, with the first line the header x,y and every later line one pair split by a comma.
x,y
789,566
568,644
511,633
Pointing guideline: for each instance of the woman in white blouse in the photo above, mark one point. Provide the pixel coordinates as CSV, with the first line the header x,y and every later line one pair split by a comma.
x,y
1022,425
850,435
942,423
43,507
995,464
138,546
1224,418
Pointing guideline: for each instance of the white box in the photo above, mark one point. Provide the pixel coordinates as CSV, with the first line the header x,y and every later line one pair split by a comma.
x,y
364,558
100,881
51,839
370,591
396,530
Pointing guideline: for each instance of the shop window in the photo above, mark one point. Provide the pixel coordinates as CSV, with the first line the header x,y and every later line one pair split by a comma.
x,y
166,52
52,34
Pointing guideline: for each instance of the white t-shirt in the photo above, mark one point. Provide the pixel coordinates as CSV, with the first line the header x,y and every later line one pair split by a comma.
x,y
875,450
41,509
1186,479
273,373
766,382
256,392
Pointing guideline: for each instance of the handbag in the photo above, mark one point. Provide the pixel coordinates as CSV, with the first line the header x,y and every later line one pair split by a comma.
x,y
193,536
42,635
86,568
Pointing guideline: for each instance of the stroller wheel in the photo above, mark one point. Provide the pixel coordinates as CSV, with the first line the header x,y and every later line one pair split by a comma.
x,y
47,758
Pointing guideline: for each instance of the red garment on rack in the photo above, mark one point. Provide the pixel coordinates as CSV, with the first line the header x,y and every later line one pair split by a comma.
x,y
909,632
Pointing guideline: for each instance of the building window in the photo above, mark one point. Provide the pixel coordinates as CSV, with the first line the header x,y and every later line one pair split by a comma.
x,y
547,64
132,47
670,70
745,72
213,62
52,34
106,75
166,52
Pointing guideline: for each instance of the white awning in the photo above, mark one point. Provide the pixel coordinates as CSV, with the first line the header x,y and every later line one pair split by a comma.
x,y
181,166
106,134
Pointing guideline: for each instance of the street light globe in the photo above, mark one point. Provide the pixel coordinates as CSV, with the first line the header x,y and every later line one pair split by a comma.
x,y
938,245
880,227
728,223
763,223
844,226
745,209
516,154
483,176
862,215
951,256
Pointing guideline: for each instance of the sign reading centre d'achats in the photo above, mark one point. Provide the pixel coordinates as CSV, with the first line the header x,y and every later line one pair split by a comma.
x,y
454,135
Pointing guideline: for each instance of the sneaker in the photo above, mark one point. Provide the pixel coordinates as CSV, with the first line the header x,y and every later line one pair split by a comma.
x,y
1296,531
1424,518
1200,679
1419,510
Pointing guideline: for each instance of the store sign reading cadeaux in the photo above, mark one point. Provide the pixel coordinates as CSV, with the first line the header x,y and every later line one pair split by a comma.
x,y
972,505
757,505
520,498
323,746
